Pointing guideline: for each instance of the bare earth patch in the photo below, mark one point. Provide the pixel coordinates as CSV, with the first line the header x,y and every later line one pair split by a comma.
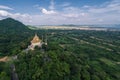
x,y
4,59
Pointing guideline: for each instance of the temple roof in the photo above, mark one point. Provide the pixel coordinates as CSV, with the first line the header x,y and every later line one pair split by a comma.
x,y
36,39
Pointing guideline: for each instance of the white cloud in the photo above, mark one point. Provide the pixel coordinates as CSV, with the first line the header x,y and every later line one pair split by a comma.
x,y
4,13
5,7
26,18
71,15
47,12
108,7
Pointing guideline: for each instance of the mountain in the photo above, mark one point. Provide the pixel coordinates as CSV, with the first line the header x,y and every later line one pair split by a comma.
x,y
10,25
13,35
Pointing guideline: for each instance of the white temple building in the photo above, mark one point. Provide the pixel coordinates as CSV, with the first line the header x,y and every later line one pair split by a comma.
x,y
36,41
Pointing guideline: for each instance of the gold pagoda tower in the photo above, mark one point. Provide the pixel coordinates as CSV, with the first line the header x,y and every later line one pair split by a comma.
x,y
36,41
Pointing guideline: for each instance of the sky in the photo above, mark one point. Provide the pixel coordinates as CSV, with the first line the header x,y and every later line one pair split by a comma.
x,y
59,12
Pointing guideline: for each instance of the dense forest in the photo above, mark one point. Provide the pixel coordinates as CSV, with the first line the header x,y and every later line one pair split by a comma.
x,y
69,55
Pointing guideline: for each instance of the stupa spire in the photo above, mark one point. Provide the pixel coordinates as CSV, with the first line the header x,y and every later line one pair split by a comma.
x,y
36,39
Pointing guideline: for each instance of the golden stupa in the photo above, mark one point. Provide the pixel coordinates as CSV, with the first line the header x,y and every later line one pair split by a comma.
x,y
36,39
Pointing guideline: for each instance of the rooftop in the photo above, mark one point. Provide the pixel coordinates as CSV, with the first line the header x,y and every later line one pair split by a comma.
x,y
36,39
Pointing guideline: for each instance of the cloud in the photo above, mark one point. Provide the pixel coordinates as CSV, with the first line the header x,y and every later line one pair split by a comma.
x,y
4,13
5,7
71,15
50,11
51,7
47,12
65,4
107,7
26,18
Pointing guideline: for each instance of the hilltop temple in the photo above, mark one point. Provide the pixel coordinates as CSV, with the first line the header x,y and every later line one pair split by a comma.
x,y
36,41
